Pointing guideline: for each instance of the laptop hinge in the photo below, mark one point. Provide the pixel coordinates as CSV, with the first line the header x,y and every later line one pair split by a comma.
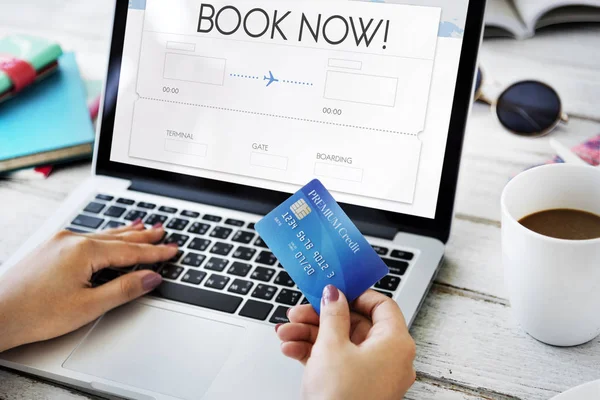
x,y
200,196
240,204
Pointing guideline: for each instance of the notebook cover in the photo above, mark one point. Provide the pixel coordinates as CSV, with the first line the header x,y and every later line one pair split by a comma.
x,y
50,116
36,51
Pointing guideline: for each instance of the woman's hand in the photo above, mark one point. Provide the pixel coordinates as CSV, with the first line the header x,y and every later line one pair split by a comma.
x,y
49,293
364,354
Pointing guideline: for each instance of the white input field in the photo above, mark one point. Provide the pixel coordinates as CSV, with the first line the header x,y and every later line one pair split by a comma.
x,y
200,69
184,147
339,172
348,64
360,88
269,161
181,46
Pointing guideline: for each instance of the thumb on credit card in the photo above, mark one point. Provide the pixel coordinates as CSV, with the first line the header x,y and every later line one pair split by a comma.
x,y
335,316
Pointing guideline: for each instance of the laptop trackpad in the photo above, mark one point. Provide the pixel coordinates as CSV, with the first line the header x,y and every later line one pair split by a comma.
x,y
155,349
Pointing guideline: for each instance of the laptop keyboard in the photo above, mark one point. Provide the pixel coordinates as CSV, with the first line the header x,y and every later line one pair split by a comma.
x,y
222,264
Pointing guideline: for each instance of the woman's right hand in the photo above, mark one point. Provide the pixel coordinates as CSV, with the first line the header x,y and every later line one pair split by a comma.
x,y
364,354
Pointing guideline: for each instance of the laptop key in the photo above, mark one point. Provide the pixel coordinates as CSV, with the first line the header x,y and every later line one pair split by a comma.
x,y
113,224
75,230
190,214
220,232
240,286
152,267
147,206
198,297
199,228
155,219
244,237
127,202
212,218
264,292
170,210
289,297
94,208
114,211
259,242
170,271
106,275
244,253
132,215
388,294
177,256
266,257
216,264
87,222
104,197
251,225
280,315
234,222
239,269
304,301
199,244
193,259
396,267
221,248
177,224
256,310
284,279
193,276
382,251
177,238
262,274
217,281
403,255
388,282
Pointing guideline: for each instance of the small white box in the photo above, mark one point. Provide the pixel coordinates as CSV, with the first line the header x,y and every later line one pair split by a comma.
x,y
269,161
361,88
181,46
339,172
348,64
200,69
184,147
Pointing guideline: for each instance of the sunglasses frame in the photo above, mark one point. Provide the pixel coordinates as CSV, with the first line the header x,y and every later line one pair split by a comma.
x,y
479,96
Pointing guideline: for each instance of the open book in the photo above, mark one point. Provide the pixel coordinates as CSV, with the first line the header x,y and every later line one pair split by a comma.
x,y
520,18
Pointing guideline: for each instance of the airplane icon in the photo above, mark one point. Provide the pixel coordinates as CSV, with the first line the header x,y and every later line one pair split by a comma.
x,y
271,79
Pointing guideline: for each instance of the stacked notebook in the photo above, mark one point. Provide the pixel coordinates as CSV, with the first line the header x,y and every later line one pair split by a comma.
x,y
49,121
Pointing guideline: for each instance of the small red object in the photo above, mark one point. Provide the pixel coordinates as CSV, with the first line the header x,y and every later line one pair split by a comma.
x,y
45,170
20,72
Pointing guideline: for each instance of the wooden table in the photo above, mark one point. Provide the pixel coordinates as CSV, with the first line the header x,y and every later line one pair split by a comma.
x,y
468,344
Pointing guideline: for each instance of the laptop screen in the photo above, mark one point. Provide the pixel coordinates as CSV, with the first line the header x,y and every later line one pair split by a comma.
x,y
272,94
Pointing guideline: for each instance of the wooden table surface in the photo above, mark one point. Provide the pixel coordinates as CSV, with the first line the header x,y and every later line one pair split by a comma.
x,y
468,344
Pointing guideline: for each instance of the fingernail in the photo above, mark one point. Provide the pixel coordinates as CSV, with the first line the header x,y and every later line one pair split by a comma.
x,y
136,222
330,294
151,281
287,313
157,225
277,327
172,245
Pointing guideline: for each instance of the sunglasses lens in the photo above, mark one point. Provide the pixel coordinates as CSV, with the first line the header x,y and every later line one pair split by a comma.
x,y
478,80
529,108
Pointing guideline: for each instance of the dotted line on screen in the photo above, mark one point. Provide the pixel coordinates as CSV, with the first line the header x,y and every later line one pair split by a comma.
x,y
279,116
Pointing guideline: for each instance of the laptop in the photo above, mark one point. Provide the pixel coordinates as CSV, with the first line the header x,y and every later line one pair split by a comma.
x,y
215,112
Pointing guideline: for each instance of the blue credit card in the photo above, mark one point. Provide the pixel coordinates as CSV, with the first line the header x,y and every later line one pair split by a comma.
x,y
318,245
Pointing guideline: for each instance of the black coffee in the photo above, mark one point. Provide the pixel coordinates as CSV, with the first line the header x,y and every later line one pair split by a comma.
x,y
564,223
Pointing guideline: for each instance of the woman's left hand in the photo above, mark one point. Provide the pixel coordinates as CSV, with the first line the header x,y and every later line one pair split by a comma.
x,y
49,292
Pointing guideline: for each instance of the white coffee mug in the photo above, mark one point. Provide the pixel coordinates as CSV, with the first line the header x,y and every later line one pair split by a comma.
x,y
553,284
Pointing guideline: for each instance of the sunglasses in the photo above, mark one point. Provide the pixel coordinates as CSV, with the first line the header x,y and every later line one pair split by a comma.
x,y
527,108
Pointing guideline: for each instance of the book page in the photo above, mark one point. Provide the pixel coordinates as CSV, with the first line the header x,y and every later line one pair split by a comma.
x,y
534,12
501,15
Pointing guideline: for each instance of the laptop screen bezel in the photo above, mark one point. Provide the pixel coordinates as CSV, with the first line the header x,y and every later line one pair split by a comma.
x,y
438,227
